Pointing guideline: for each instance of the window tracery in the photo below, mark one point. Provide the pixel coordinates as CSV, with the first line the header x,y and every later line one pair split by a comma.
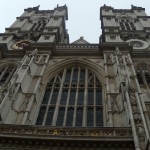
x,y
72,98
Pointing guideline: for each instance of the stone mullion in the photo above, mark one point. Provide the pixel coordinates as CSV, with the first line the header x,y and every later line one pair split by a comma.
x,y
40,27
130,25
68,97
94,100
58,99
109,103
85,98
76,100
35,26
124,25
3,73
48,104
143,77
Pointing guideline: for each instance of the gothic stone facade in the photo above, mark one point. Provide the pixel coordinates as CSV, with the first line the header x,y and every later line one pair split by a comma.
x,y
78,96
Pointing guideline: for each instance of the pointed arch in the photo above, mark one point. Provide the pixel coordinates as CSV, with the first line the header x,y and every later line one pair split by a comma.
x,y
53,69
73,94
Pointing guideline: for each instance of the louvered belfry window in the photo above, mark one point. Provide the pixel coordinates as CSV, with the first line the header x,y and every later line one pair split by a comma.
x,y
73,98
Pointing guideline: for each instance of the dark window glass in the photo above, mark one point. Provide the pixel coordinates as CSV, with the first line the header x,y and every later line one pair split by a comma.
x,y
64,97
38,26
140,79
46,96
127,26
91,83
33,26
5,76
41,116
90,97
98,97
72,90
54,97
69,120
49,117
133,26
60,117
90,117
80,97
75,76
122,26
82,75
147,77
79,113
72,97
99,117
68,74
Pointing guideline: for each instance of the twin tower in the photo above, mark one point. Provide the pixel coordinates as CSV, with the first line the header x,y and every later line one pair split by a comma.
x,y
56,95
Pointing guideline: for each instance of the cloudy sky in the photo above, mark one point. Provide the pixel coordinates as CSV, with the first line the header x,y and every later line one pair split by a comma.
x,y
83,14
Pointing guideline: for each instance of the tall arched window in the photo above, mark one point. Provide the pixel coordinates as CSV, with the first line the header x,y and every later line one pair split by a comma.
x,y
72,98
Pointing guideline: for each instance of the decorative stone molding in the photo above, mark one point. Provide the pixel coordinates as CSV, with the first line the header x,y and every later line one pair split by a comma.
x,y
35,131
138,44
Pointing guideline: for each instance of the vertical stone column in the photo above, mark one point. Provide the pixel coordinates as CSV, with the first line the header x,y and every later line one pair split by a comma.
x,y
85,98
32,98
136,117
22,95
108,61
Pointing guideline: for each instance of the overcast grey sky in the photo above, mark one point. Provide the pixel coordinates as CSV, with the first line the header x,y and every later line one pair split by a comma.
x,y
83,14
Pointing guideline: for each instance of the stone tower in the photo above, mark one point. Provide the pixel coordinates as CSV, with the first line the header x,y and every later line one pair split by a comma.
x,y
75,96
127,68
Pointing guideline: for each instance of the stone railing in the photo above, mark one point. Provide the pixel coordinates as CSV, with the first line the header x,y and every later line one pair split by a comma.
x,y
60,46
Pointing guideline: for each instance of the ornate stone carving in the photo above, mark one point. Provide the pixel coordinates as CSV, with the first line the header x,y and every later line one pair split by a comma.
x,y
132,35
138,44
109,59
21,44
137,116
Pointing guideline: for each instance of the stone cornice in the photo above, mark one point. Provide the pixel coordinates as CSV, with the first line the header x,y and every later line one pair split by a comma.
x,y
57,132
62,136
